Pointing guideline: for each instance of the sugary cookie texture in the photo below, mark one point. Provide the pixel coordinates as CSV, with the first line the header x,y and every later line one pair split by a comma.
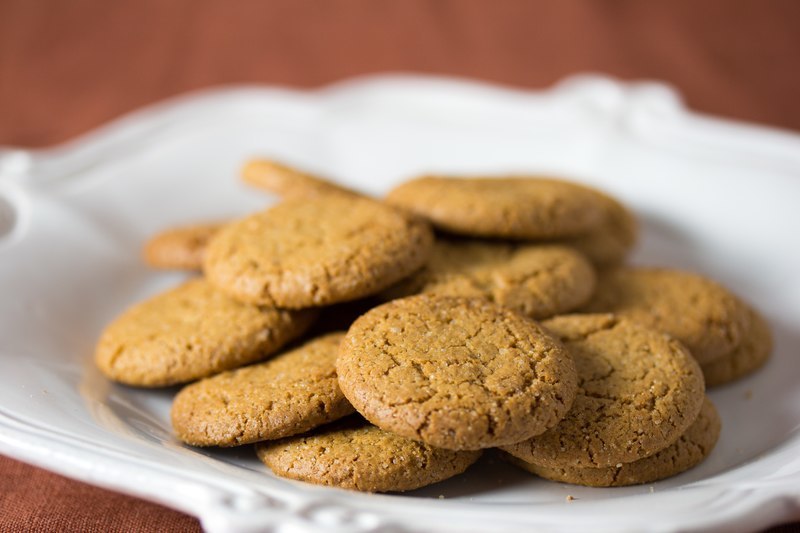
x,y
353,454
316,252
191,332
537,280
688,451
455,373
289,394
700,313
638,391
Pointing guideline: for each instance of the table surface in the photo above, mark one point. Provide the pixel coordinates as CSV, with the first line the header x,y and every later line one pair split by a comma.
x,y
67,67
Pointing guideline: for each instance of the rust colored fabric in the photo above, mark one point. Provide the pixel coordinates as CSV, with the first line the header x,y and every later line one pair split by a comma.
x,y
67,67
32,499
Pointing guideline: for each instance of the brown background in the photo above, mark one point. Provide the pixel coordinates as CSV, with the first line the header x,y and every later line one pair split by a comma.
x,y
66,67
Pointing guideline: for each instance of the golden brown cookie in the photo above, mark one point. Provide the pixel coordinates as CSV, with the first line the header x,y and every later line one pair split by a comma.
x,y
538,281
317,251
700,313
180,248
688,451
291,393
353,454
608,243
286,181
455,373
514,207
638,391
749,356
191,332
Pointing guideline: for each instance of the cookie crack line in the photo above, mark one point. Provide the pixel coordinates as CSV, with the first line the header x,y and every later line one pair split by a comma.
x,y
639,390
304,253
475,374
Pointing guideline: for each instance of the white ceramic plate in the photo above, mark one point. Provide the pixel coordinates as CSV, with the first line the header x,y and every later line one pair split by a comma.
x,y
716,197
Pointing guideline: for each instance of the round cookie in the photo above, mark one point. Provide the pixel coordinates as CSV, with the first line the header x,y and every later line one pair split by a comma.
x,y
607,244
687,452
289,394
317,251
353,454
286,181
703,315
181,248
455,373
514,207
538,281
191,332
638,391
749,356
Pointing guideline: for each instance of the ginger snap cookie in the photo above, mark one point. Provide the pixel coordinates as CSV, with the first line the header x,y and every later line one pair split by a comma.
x,y
608,243
455,373
289,394
513,207
700,313
688,451
353,454
191,332
286,181
751,354
317,251
538,281
180,248
638,391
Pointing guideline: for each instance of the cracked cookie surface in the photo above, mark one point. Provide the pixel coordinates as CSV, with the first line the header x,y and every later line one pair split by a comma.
x,y
538,281
180,248
753,353
638,391
353,454
291,393
317,251
688,451
700,313
455,373
191,332
512,207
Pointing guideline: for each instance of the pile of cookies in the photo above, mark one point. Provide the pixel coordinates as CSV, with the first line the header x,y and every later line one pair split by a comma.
x,y
384,345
